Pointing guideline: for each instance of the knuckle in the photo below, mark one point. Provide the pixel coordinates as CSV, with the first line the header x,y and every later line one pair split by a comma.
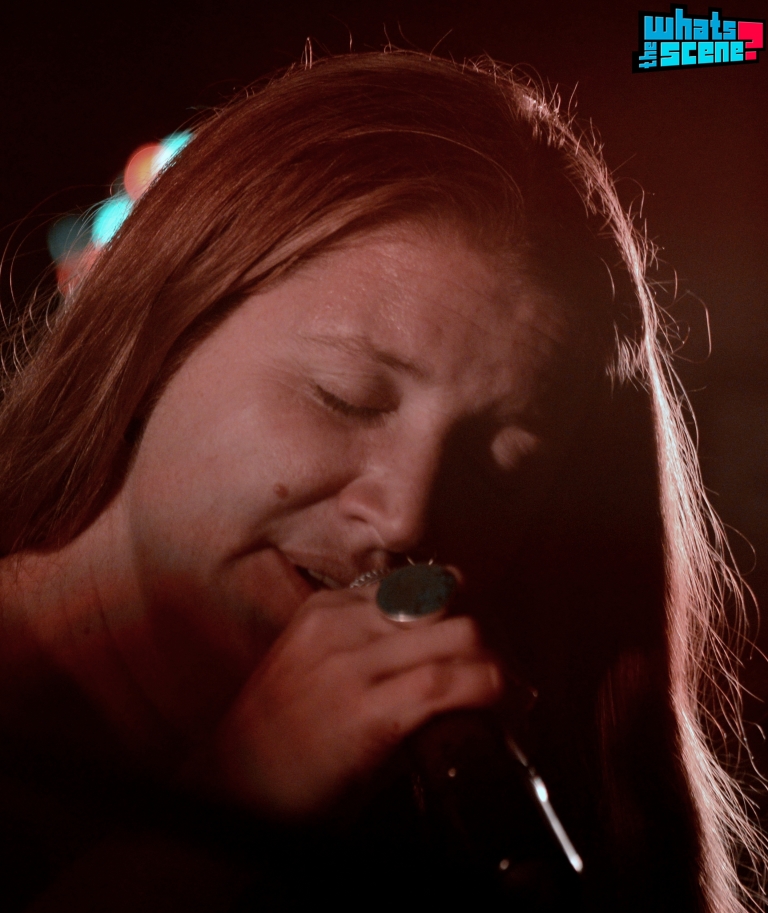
x,y
456,684
387,734
380,740
490,684
313,618
435,682
467,634
496,681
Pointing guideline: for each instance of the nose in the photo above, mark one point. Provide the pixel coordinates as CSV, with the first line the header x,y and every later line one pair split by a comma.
x,y
393,493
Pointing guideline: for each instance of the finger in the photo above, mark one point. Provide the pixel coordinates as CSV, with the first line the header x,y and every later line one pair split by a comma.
x,y
402,704
344,621
323,641
409,592
453,639
338,620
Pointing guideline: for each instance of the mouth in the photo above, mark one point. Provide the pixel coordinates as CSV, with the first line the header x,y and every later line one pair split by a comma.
x,y
369,578
317,580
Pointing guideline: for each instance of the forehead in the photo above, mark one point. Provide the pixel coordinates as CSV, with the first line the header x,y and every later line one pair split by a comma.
x,y
424,298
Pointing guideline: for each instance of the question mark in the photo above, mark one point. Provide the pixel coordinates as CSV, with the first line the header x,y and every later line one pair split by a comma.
x,y
752,34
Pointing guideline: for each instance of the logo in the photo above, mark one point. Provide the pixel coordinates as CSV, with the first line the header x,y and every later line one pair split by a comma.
x,y
679,40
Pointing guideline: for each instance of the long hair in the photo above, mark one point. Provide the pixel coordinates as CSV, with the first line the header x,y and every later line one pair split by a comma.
x,y
313,157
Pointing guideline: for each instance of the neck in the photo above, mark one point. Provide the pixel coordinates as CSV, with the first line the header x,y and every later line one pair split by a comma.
x,y
64,615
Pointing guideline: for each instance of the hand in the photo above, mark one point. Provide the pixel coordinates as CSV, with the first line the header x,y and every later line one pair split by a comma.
x,y
337,692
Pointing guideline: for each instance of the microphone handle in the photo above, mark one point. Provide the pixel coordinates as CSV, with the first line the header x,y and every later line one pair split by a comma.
x,y
485,807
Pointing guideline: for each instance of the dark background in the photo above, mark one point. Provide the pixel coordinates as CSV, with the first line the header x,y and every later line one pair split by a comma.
x,y
81,88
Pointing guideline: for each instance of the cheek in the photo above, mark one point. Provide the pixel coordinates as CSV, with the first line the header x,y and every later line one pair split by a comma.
x,y
218,467
191,497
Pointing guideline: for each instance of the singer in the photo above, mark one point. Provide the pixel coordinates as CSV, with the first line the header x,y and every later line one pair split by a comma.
x,y
385,310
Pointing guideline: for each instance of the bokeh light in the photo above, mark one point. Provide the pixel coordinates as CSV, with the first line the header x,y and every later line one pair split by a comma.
x,y
172,146
68,237
109,217
75,241
141,169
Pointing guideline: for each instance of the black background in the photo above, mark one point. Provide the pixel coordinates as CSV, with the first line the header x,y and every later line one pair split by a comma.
x,y
82,87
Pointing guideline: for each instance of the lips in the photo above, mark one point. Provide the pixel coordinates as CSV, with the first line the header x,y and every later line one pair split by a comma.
x,y
318,580
322,572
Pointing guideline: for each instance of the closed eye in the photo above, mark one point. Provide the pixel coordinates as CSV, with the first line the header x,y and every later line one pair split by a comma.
x,y
367,414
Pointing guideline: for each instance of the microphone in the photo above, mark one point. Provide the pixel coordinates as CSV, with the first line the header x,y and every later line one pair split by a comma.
x,y
484,803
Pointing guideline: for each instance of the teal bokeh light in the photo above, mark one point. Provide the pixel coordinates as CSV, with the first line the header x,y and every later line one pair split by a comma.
x,y
170,147
68,237
109,217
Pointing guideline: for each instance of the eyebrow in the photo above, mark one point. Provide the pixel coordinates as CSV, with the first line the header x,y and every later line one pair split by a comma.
x,y
359,344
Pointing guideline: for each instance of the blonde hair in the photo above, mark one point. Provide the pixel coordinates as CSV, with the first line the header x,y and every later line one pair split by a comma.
x,y
273,179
